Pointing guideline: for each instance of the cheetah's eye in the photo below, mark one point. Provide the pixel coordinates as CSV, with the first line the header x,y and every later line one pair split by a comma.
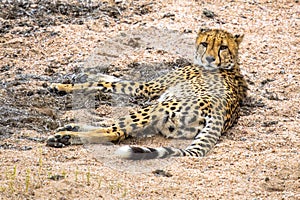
x,y
204,44
223,47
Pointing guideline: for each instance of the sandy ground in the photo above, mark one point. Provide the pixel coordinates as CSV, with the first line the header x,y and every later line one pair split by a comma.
x,y
46,42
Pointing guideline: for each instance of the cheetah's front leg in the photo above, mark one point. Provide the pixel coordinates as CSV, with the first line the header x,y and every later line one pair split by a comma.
x,y
96,136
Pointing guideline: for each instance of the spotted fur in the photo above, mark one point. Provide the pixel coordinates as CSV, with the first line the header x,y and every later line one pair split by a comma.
x,y
199,101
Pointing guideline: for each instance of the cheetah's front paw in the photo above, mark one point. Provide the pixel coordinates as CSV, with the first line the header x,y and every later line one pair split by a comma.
x,y
59,141
65,136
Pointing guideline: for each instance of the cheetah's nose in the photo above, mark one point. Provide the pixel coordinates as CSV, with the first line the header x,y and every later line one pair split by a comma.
x,y
210,59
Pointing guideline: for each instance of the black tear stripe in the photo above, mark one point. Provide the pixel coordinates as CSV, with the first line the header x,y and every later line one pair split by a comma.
x,y
205,50
229,53
198,48
214,39
219,58
203,54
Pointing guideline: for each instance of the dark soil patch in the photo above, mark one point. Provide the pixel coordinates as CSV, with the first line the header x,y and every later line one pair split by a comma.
x,y
35,14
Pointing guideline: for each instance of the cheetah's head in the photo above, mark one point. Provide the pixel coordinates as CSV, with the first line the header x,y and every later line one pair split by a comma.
x,y
217,49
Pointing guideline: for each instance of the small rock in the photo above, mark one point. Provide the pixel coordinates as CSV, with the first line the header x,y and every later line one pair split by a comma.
x,y
56,177
168,15
282,71
208,13
25,148
160,172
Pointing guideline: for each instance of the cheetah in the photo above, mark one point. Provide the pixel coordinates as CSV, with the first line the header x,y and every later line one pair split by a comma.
x,y
199,101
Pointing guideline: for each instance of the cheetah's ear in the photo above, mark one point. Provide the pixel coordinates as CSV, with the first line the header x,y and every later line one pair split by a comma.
x,y
238,38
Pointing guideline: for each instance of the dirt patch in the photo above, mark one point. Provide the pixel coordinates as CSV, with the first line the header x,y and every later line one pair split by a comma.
x,y
70,41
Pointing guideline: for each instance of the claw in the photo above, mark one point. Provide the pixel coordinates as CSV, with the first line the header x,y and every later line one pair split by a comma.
x,y
69,127
73,128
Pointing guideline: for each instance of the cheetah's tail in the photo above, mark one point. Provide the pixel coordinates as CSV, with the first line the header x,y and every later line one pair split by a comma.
x,y
145,153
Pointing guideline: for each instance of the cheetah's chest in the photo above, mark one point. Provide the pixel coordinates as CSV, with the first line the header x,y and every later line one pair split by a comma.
x,y
178,91
195,88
